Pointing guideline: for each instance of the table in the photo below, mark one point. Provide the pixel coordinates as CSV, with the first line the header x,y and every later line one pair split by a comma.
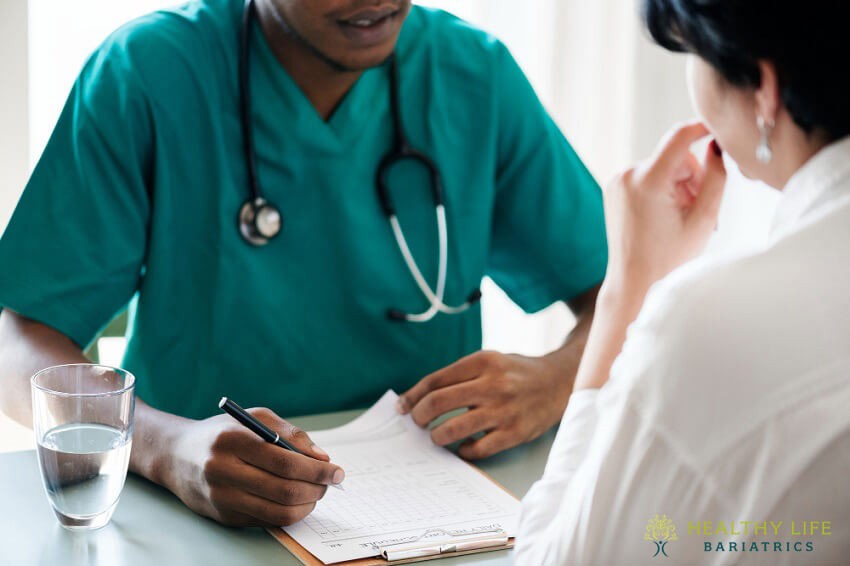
x,y
151,527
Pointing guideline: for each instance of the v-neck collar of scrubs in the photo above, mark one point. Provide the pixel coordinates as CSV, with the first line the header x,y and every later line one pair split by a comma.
x,y
351,116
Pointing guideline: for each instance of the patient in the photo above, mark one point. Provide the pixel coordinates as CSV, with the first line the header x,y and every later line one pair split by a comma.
x,y
729,403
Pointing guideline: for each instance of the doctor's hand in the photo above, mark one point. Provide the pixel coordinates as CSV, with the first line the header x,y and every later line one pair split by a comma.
x,y
512,398
224,471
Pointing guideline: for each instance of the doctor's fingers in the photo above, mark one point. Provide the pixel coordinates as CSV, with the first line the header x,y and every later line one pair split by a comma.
x,y
465,369
489,444
439,402
232,505
463,426
263,484
289,432
289,465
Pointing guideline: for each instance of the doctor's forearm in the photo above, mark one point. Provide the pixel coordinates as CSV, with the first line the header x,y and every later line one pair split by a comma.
x,y
564,362
566,359
27,347
155,433
617,308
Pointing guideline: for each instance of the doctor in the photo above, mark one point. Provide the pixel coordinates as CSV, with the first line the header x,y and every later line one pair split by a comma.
x,y
299,199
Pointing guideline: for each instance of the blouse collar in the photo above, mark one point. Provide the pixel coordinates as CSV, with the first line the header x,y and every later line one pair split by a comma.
x,y
820,185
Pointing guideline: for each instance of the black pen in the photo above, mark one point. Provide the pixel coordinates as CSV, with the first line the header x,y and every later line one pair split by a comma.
x,y
230,407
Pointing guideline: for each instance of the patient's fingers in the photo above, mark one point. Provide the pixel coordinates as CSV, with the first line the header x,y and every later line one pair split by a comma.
x,y
686,181
688,168
675,147
707,203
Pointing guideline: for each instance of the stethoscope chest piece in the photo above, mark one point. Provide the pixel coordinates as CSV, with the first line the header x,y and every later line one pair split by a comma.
x,y
259,221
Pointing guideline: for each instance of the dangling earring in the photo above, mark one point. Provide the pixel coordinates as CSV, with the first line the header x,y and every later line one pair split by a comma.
x,y
764,153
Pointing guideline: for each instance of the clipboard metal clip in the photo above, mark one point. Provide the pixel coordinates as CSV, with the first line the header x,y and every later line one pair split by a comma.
x,y
458,542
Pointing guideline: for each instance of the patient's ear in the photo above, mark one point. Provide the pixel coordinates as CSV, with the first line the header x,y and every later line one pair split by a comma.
x,y
767,93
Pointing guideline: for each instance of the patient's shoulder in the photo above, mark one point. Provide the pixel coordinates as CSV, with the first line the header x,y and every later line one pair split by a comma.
x,y
723,344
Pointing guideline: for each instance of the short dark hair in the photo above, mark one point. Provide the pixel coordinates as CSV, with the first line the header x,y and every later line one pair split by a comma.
x,y
808,41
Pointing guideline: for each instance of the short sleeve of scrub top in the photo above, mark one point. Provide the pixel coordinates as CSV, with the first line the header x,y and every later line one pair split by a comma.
x,y
548,240
74,248
137,193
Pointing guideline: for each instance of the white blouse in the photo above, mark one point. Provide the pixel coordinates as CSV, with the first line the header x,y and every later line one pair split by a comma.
x,y
726,413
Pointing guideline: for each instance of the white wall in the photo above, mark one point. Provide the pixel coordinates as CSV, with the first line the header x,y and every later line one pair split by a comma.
x,y
63,34
43,44
14,144
14,105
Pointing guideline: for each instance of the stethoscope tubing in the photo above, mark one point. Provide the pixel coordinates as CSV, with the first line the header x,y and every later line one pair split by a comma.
x,y
256,208
435,298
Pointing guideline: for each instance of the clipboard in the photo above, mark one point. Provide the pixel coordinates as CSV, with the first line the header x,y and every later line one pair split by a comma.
x,y
307,559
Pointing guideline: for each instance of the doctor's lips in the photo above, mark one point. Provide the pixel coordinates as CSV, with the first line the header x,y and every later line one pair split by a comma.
x,y
370,26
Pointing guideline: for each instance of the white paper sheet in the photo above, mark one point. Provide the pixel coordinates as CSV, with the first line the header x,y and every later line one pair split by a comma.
x,y
398,485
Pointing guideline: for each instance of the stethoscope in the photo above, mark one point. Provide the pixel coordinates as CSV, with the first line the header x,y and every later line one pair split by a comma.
x,y
260,220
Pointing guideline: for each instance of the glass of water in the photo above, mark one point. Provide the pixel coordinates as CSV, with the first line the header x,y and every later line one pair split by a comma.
x,y
83,423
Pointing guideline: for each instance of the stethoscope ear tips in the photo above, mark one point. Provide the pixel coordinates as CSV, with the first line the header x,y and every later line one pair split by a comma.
x,y
396,315
474,297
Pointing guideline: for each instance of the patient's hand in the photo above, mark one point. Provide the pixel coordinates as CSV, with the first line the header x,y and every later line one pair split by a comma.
x,y
514,399
658,216
661,213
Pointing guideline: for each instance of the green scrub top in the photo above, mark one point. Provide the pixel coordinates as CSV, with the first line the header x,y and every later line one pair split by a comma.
x,y
137,192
